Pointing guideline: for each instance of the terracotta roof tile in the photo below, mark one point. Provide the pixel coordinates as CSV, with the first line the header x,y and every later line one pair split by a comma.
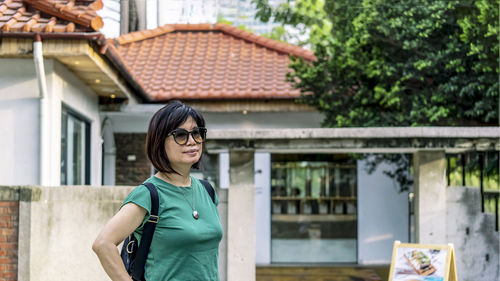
x,y
205,61
50,15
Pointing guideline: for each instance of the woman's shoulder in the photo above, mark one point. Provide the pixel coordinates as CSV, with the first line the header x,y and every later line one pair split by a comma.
x,y
142,187
141,191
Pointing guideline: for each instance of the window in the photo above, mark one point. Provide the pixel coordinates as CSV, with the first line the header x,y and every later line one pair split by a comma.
x,y
313,209
75,149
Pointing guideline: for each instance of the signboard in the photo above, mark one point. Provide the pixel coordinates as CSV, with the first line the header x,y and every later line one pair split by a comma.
x,y
420,262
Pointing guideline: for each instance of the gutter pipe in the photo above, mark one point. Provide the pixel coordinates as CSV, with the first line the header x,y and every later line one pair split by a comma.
x,y
44,109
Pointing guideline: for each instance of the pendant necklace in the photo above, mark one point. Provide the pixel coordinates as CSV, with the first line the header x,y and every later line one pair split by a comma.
x,y
193,206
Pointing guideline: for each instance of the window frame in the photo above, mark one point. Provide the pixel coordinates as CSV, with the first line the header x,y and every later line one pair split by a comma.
x,y
86,158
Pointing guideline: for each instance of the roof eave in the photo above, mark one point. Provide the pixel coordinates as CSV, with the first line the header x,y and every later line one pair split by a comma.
x,y
94,54
114,57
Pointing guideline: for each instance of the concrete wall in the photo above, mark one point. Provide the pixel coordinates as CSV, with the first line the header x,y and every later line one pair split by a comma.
x,y
476,243
19,115
57,226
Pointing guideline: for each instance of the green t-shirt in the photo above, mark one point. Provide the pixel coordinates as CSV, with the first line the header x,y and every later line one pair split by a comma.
x,y
182,248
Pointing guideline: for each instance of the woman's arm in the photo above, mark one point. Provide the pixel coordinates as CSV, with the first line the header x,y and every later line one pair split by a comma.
x,y
114,232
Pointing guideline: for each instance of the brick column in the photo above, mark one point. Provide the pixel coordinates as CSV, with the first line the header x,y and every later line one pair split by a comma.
x,y
132,164
9,221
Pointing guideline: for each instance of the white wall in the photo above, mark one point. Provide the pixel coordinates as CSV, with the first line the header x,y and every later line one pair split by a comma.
x,y
262,207
382,215
19,120
74,94
261,120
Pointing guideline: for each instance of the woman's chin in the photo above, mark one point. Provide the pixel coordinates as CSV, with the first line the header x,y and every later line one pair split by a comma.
x,y
192,160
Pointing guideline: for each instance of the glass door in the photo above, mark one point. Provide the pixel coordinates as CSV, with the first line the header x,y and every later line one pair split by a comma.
x,y
313,209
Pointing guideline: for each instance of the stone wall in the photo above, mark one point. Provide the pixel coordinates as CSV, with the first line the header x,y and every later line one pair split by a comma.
x,y
132,165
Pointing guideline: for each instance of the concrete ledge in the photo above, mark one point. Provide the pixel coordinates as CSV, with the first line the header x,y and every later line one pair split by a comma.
x,y
356,140
9,193
357,133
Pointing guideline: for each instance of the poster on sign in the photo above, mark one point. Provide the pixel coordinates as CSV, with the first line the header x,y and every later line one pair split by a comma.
x,y
418,262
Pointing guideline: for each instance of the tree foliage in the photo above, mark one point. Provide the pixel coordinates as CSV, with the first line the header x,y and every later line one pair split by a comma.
x,y
397,62
303,22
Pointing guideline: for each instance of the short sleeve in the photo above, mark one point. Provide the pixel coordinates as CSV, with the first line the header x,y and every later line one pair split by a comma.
x,y
142,198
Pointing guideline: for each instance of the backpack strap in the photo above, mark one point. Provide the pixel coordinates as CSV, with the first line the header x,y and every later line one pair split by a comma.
x,y
147,234
209,189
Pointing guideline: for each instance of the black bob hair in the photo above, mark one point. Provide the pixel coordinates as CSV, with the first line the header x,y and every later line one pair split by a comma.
x,y
164,121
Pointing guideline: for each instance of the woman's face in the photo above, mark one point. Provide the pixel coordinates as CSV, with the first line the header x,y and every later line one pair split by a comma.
x,y
183,156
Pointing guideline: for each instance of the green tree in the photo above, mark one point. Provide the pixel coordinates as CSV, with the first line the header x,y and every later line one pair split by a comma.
x,y
398,62
303,22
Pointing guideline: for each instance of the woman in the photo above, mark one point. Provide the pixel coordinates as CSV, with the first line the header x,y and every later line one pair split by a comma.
x,y
186,240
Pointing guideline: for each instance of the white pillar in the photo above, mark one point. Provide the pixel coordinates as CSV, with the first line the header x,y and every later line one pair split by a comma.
x,y
222,193
430,197
241,218
109,171
263,208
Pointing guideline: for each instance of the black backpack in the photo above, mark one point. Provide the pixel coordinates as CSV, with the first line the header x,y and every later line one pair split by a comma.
x,y
133,255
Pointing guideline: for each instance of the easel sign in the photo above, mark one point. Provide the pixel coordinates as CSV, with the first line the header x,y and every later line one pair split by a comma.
x,y
420,262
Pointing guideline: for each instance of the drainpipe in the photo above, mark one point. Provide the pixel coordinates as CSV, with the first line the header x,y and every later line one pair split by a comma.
x,y
43,111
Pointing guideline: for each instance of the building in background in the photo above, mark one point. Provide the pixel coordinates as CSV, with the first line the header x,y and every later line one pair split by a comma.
x,y
242,13
125,16
110,15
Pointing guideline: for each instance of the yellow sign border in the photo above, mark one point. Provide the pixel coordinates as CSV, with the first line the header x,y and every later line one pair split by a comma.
x,y
450,267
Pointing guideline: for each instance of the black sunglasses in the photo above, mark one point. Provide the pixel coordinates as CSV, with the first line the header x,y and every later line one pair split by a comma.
x,y
181,136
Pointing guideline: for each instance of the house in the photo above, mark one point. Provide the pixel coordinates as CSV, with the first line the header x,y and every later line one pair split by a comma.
x,y
55,70
236,78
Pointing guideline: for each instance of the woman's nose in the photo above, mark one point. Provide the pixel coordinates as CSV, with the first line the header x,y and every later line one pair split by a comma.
x,y
191,140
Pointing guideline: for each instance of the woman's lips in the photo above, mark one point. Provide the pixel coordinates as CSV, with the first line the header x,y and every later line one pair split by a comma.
x,y
191,152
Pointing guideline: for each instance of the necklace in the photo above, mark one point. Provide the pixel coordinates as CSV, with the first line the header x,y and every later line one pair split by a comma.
x,y
193,206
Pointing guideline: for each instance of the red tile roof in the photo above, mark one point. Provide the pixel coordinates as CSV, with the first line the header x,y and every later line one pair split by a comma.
x,y
205,61
50,15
